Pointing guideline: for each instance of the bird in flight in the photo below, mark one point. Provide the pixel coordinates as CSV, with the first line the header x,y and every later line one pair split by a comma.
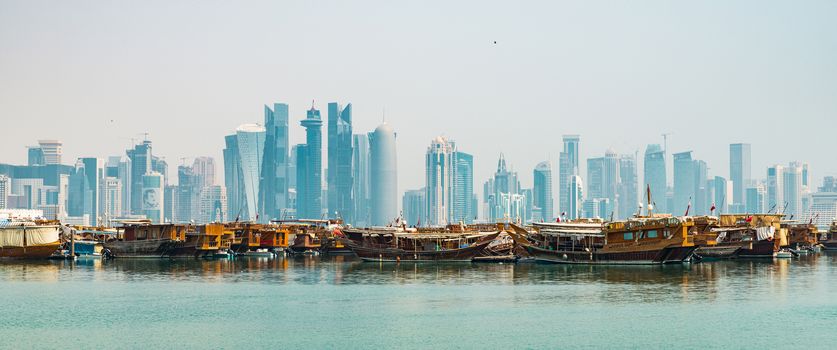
x,y
495,42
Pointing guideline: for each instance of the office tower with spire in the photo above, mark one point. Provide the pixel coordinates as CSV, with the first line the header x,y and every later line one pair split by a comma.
x,y
383,196
568,167
449,180
339,176
309,168
655,176
542,201
739,173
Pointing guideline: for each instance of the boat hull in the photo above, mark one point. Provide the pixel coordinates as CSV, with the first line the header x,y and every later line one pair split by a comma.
x,y
668,255
399,255
829,245
42,251
758,250
153,248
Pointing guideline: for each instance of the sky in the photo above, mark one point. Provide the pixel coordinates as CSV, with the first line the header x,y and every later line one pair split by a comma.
x,y
99,74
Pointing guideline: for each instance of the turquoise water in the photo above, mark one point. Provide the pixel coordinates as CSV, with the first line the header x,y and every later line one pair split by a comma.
x,y
338,302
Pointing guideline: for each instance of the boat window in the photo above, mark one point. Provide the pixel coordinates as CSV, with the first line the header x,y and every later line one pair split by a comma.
x,y
651,234
628,236
667,233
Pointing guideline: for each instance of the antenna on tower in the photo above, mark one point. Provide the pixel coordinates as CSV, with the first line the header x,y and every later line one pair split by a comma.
x,y
665,141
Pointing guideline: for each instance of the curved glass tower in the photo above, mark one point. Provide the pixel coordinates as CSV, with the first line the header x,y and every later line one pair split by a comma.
x,y
250,145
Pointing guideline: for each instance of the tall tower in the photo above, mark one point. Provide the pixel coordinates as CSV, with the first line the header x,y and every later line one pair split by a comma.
x,y
140,161
340,160
542,191
739,173
655,177
360,178
628,187
684,182
568,167
775,188
383,176
439,181
309,167
250,139
273,191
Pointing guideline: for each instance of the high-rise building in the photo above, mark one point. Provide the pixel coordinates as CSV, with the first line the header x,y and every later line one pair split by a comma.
x,y
140,161
360,179
655,177
51,150
542,201
213,203
204,169
309,169
383,176
275,184
503,188
775,188
792,190
463,188
723,189
233,179
35,155
439,181
152,196
414,205
5,188
739,173
603,180
568,167
250,138
823,209
628,186
339,176
576,198
756,197
684,182
110,199
189,186
703,193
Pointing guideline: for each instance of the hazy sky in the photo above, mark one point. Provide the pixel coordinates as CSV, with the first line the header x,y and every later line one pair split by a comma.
x,y
96,74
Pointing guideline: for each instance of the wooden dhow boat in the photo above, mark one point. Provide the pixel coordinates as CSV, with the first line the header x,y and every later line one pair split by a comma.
x,y
28,239
146,240
393,244
741,236
829,239
656,239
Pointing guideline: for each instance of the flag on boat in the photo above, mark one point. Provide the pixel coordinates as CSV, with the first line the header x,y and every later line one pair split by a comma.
x,y
688,207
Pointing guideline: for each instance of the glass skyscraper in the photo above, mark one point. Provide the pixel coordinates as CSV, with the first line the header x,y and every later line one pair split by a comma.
x,y
628,186
739,173
655,177
542,191
250,139
684,182
140,158
339,177
383,195
568,167
360,179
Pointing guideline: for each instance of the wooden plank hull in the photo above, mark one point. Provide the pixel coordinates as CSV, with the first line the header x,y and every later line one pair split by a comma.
x,y
668,255
395,254
42,251
760,249
152,248
721,251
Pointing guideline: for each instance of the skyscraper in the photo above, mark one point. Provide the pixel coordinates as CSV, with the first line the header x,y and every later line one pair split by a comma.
x,y
603,180
383,176
723,195
233,178
189,186
152,196
684,182
792,188
628,186
504,188
775,189
110,199
439,174
568,167
360,179
250,138
739,173
204,169
273,197
414,205
576,198
542,192
140,158
703,193
339,177
463,188
756,199
309,169
51,150
5,189
213,203
655,176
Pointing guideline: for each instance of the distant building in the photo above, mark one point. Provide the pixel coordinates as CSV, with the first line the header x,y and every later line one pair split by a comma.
x,y
739,173
204,169
339,176
684,182
703,193
140,161
567,168
576,198
775,188
5,188
542,200
152,196
233,178
823,209
628,186
213,203
603,179
723,189
793,190
189,186
51,150
655,177
383,176
414,205
360,178
250,147
110,199
505,188
756,199
276,165
309,168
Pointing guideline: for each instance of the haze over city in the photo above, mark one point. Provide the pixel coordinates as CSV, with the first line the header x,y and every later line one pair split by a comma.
x,y
97,75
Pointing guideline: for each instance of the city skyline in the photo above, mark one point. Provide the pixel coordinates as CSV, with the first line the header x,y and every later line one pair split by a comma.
x,y
569,87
